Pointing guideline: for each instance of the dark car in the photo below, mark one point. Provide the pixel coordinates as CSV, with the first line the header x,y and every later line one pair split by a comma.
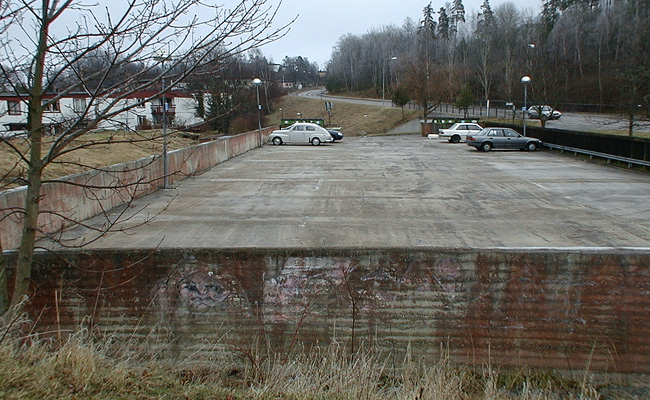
x,y
502,138
336,135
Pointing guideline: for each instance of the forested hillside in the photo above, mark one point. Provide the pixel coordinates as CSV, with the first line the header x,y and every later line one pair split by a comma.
x,y
588,52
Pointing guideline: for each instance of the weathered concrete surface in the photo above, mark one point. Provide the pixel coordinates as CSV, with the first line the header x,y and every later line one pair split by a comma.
x,y
404,191
84,195
570,310
526,258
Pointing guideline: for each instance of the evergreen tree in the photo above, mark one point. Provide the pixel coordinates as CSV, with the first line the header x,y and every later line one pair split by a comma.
x,y
457,15
429,25
485,15
401,98
465,99
443,23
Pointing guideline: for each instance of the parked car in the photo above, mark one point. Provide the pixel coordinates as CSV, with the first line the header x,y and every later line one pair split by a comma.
x,y
336,135
537,112
459,131
301,133
502,138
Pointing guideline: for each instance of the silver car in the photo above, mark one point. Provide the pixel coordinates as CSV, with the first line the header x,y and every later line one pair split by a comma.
x,y
301,133
459,131
537,112
502,138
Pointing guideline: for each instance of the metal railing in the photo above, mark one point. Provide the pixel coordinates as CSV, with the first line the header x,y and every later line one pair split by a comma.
x,y
158,109
592,154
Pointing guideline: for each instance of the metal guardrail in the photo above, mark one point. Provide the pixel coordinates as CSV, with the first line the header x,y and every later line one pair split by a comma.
x,y
592,154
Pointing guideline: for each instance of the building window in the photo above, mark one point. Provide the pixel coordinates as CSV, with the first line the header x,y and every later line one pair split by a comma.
x,y
51,107
79,104
141,103
13,107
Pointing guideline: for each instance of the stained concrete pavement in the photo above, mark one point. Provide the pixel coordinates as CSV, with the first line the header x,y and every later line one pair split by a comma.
x,y
395,191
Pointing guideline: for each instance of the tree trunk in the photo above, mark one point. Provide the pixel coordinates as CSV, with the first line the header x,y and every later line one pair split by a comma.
x,y
35,170
28,239
4,287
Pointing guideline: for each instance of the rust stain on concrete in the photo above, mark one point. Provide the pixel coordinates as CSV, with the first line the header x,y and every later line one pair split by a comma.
x,y
565,310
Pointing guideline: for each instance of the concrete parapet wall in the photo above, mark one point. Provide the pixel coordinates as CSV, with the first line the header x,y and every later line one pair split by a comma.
x,y
85,195
562,309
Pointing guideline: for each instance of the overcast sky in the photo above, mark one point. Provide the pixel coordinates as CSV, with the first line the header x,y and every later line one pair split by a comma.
x,y
321,23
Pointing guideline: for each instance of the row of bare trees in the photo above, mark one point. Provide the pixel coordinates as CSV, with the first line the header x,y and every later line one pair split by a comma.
x,y
230,105
575,51
108,51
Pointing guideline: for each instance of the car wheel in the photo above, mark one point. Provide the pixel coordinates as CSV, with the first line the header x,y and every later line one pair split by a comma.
x,y
277,141
487,146
315,141
531,146
455,139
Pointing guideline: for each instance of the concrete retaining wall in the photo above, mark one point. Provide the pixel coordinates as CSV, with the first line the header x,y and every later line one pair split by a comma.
x,y
82,196
567,310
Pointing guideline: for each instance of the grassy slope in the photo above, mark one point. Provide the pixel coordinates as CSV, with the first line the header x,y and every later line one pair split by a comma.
x,y
353,119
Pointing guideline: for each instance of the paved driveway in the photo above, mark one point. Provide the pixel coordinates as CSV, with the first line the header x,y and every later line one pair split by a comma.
x,y
398,191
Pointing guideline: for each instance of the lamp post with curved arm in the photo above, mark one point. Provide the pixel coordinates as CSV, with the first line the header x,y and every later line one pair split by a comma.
x,y
257,82
525,80
383,79
162,56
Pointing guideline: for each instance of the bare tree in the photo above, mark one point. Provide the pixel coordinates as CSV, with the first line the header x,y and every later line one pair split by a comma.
x,y
52,41
483,53
508,20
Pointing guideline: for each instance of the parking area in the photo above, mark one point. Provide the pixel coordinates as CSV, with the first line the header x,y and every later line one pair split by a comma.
x,y
392,191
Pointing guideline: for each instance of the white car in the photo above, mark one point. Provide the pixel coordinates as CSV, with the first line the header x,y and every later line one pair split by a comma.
x,y
301,132
459,131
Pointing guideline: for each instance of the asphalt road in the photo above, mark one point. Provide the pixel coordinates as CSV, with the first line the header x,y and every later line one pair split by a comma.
x,y
397,191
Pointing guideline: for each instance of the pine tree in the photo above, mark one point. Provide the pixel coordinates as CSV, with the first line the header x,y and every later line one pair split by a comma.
x,y
443,23
429,25
457,15
485,15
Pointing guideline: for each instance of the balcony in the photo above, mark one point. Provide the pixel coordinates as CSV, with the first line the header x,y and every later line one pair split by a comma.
x,y
157,109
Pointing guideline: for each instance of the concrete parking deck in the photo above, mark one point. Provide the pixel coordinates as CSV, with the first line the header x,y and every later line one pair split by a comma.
x,y
395,191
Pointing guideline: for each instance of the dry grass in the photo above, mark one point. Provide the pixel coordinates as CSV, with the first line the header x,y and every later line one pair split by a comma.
x,y
353,119
12,169
82,367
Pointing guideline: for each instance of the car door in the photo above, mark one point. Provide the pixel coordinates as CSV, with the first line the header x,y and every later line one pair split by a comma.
x,y
497,137
309,133
297,134
473,129
462,130
513,139
469,129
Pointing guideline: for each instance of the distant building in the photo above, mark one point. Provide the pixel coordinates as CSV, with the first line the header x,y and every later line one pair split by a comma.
x,y
179,107
286,85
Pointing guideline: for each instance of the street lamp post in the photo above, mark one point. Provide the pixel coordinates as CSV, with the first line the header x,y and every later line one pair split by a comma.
x,y
525,81
533,48
383,79
257,82
162,56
